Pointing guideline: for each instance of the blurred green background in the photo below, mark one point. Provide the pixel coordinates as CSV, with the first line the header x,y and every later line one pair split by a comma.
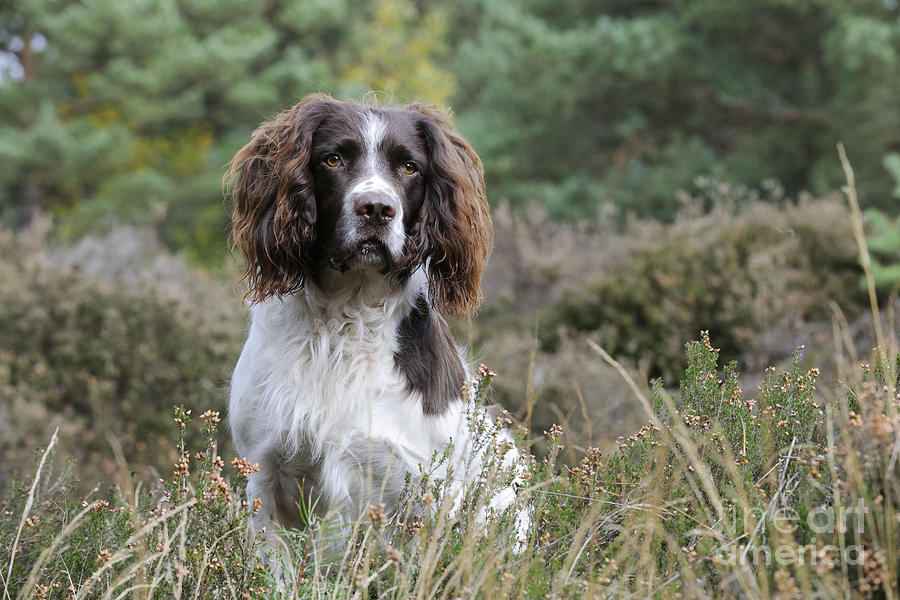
x,y
127,110
656,168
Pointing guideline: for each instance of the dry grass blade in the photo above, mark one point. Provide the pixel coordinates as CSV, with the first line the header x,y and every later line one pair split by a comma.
x,y
28,503
531,394
645,404
860,235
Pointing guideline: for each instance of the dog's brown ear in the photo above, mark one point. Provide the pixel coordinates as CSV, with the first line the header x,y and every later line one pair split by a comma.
x,y
453,232
271,183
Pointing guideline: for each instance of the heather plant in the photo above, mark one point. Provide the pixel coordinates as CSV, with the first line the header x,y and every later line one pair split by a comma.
x,y
185,538
789,493
105,334
752,273
763,274
102,338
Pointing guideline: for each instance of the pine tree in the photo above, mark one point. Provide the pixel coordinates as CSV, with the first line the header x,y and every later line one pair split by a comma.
x,y
589,102
128,110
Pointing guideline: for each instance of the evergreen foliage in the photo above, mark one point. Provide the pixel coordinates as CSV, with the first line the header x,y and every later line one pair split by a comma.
x,y
129,110
623,103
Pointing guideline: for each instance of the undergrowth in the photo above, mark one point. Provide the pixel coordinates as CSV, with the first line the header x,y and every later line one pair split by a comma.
x,y
787,492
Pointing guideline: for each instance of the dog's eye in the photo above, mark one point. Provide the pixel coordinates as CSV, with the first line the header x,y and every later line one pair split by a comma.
x,y
333,160
410,168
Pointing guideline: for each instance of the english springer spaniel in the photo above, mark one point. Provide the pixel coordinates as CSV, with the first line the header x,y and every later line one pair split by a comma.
x,y
360,225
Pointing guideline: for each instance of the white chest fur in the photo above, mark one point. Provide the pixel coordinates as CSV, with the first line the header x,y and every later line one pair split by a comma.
x,y
317,401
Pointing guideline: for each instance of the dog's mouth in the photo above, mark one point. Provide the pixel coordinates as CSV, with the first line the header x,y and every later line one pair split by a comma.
x,y
369,252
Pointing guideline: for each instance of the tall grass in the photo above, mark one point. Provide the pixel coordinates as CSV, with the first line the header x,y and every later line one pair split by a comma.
x,y
786,491
789,493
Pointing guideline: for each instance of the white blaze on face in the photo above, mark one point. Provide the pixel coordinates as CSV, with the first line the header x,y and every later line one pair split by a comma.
x,y
372,136
375,179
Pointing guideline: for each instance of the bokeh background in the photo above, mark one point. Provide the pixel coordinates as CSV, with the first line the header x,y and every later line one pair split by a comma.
x,y
655,168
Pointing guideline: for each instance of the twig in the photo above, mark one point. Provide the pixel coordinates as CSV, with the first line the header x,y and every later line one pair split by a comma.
x,y
775,496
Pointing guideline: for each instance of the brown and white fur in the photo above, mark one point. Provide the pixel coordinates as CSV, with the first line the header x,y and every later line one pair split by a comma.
x,y
360,225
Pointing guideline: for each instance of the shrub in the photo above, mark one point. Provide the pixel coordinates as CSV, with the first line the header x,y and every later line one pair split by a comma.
x,y
186,538
103,338
569,387
761,274
752,273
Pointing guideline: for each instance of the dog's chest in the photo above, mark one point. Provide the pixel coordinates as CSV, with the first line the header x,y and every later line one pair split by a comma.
x,y
322,383
328,376
341,367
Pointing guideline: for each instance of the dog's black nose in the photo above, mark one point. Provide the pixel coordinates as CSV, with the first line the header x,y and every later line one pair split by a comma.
x,y
375,208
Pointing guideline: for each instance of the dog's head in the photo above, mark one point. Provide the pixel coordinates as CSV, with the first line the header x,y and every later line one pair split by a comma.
x,y
341,186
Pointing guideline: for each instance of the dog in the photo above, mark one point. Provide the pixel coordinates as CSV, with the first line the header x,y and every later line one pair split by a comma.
x,y
361,227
